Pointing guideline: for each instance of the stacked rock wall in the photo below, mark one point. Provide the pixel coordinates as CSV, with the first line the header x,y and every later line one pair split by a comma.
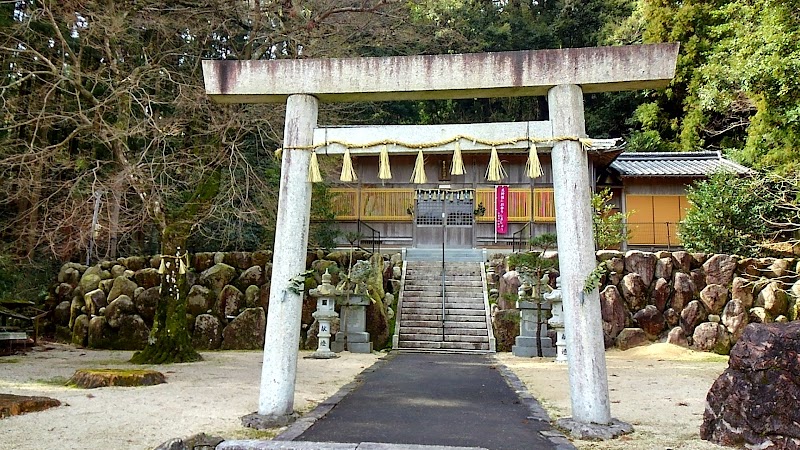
x,y
693,299
690,299
112,304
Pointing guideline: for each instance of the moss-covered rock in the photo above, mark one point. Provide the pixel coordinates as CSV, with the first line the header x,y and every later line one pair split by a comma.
x,y
207,334
80,331
217,276
122,286
95,378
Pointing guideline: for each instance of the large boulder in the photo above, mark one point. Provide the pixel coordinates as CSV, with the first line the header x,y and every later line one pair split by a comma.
x,y
202,261
719,269
735,318
239,260
80,331
692,316
632,337
261,257
650,320
754,402
773,298
132,334
122,286
231,301
505,324
509,284
612,310
146,303
253,276
712,337
119,308
664,267
207,333
780,268
742,290
99,333
95,300
70,273
61,313
90,280
251,297
699,279
199,301
676,336
634,290
246,331
660,294
714,298
682,261
217,276
642,263
148,278
684,291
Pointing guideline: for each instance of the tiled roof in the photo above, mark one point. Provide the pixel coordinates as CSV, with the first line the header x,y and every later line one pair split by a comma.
x,y
674,164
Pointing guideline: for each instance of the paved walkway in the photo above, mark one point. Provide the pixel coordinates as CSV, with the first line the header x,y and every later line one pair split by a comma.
x,y
438,400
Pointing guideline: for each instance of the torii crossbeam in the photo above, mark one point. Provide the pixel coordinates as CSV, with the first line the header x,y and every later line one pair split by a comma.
x,y
562,75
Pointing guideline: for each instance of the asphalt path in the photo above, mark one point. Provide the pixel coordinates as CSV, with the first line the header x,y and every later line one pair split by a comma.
x,y
434,399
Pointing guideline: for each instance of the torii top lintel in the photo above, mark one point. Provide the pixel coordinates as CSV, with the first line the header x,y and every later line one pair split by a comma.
x,y
428,77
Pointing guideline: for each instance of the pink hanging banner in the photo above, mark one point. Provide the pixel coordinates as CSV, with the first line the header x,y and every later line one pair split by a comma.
x,y
501,209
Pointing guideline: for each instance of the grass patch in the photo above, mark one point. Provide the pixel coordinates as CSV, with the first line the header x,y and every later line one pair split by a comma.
x,y
9,360
252,433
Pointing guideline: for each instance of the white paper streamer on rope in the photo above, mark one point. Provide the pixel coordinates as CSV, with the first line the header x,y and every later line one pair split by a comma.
x,y
495,171
385,171
418,176
457,168
533,167
348,174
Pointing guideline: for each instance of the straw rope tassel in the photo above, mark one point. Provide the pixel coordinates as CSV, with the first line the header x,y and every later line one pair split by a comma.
x,y
348,174
533,167
457,168
495,171
314,175
418,176
385,171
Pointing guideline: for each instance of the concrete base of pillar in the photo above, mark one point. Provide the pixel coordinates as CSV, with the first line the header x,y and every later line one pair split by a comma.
x,y
263,422
359,347
594,431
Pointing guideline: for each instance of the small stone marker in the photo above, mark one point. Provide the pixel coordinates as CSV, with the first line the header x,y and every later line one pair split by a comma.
x,y
326,300
95,378
14,405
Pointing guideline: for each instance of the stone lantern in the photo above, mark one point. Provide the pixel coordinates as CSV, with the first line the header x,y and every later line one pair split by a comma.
x,y
325,313
557,321
531,337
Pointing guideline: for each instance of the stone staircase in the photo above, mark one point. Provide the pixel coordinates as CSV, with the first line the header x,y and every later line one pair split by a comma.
x,y
466,327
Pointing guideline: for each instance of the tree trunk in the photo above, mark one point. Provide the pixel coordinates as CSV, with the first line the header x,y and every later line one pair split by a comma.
x,y
169,339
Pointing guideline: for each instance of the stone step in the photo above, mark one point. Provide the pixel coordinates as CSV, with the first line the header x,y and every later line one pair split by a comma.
x,y
444,345
437,288
430,273
479,317
409,337
448,330
447,282
435,304
449,295
448,311
438,323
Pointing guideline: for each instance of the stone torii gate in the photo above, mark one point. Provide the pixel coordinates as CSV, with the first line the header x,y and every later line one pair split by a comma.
x,y
562,75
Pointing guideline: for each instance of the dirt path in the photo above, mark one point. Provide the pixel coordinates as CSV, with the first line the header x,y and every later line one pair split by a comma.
x,y
659,389
208,396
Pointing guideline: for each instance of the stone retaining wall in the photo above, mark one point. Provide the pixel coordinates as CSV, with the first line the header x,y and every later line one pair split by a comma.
x,y
112,304
689,299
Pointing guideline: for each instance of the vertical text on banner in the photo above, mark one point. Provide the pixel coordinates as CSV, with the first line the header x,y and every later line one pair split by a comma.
x,y
501,209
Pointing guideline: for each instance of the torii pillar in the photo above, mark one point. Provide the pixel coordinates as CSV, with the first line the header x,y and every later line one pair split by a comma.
x,y
562,75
